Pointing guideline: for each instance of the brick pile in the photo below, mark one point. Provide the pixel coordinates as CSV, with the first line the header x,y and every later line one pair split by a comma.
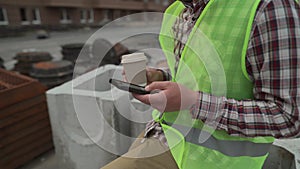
x,y
25,130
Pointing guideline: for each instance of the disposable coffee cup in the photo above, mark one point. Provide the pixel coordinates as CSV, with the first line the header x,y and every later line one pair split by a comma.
x,y
135,68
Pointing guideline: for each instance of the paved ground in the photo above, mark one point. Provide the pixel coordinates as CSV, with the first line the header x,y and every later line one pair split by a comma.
x,y
45,161
127,34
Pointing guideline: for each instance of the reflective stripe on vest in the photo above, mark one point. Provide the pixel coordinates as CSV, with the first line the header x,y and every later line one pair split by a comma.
x,y
229,148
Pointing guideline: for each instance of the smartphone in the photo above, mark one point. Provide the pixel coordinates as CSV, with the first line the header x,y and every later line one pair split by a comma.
x,y
129,87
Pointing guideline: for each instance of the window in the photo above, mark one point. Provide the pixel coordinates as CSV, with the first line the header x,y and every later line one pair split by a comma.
x,y
3,17
91,16
24,18
83,16
36,17
65,17
108,14
116,14
86,16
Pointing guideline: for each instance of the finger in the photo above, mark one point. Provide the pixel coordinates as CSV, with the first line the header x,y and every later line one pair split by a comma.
x,y
149,75
142,98
124,78
157,85
150,69
158,101
123,74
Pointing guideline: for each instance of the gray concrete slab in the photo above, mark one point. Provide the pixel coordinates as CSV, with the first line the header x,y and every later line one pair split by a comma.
x,y
91,120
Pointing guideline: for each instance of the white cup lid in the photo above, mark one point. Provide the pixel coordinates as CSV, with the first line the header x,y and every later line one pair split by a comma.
x,y
134,57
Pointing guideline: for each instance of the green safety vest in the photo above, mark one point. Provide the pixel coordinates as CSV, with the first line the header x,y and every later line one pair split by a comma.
x,y
213,61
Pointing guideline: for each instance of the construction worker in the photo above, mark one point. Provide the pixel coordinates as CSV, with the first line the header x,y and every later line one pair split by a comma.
x,y
199,123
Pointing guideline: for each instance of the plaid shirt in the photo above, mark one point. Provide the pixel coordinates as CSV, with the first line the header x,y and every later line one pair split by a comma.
x,y
273,64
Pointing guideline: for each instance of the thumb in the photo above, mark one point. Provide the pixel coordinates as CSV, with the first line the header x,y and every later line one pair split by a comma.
x,y
157,86
149,74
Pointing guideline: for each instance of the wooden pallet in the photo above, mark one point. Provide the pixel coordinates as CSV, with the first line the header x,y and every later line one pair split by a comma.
x,y
25,130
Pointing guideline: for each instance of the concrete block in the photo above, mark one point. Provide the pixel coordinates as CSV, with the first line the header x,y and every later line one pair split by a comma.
x,y
92,121
284,154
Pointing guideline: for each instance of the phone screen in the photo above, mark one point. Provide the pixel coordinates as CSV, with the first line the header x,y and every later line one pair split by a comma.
x,y
128,86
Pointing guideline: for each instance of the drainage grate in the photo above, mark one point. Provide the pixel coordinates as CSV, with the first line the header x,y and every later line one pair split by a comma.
x,y
53,73
26,59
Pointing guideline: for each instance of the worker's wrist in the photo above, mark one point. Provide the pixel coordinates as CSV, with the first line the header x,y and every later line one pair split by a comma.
x,y
195,108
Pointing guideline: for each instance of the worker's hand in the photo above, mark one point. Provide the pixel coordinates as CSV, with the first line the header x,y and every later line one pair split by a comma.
x,y
124,76
152,75
172,96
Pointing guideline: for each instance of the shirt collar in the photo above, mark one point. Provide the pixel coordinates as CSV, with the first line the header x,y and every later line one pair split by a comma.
x,y
191,3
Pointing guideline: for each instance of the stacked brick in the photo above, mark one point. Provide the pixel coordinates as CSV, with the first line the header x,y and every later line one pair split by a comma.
x,y
25,130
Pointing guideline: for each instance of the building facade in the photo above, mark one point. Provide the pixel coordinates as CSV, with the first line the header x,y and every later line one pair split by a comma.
x,y
58,13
